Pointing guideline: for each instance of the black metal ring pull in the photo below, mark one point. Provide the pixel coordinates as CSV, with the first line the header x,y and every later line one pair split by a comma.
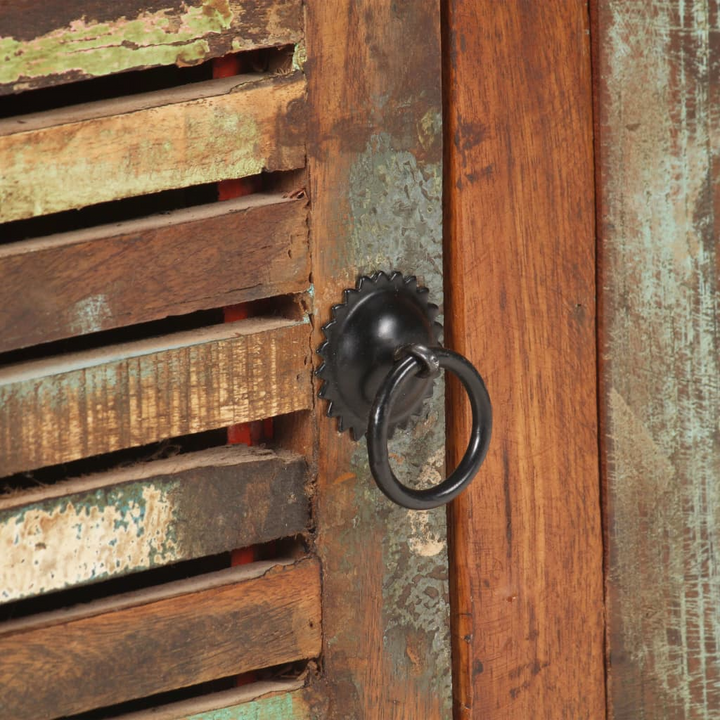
x,y
418,361
381,356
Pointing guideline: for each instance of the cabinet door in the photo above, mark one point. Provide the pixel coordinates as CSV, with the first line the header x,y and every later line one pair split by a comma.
x,y
187,189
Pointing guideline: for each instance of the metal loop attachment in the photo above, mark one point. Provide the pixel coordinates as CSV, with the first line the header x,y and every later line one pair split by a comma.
x,y
423,361
429,362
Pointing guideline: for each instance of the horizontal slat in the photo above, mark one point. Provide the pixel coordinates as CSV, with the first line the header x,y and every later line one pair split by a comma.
x,y
275,700
142,270
59,41
149,515
176,635
61,409
195,134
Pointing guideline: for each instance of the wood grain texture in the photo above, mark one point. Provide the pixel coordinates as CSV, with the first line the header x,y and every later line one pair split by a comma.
x,y
194,134
59,41
142,270
526,545
148,515
658,146
173,636
375,161
98,401
272,700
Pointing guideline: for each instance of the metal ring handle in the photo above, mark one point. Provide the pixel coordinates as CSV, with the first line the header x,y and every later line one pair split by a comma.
x,y
416,363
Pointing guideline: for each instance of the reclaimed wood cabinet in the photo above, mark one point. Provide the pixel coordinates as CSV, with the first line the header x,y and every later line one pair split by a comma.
x,y
186,189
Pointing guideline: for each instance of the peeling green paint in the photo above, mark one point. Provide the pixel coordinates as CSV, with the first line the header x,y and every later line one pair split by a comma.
x,y
299,57
280,707
184,34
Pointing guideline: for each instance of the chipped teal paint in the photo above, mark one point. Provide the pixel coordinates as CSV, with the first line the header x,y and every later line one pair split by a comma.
x,y
396,211
280,707
90,315
659,160
88,536
396,207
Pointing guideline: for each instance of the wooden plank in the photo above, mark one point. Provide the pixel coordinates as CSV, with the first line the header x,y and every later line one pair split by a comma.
x,y
173,636
117,275
148,515
659,181
190,135
375,161
61,409
526,538
275,700
64,41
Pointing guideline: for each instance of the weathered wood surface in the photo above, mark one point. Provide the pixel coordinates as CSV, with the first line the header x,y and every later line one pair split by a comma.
x,y
148,515
186,136
98,401
173,636
658,142
59,41
276,700
141,270
526,545
375,160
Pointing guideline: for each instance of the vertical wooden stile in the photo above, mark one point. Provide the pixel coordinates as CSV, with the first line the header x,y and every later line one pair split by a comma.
x,y
375,166
658,135
526,545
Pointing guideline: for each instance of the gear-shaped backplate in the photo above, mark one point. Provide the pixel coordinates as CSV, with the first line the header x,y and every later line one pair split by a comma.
x,y
378,317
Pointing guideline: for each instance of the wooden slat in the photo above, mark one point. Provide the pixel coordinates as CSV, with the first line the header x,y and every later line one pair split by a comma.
x,y
191,135
56,410
176,635
274,700
659,211
149,515
107,277
526,544
375,162
61,41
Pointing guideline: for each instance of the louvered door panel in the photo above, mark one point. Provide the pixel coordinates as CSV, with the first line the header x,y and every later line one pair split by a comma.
x,y
167,474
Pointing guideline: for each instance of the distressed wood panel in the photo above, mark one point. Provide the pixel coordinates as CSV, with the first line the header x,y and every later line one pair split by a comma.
x,y
114,650
659,179
112,276
526,545
191,135
59,41
149,515
53,411
375,161
276,700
